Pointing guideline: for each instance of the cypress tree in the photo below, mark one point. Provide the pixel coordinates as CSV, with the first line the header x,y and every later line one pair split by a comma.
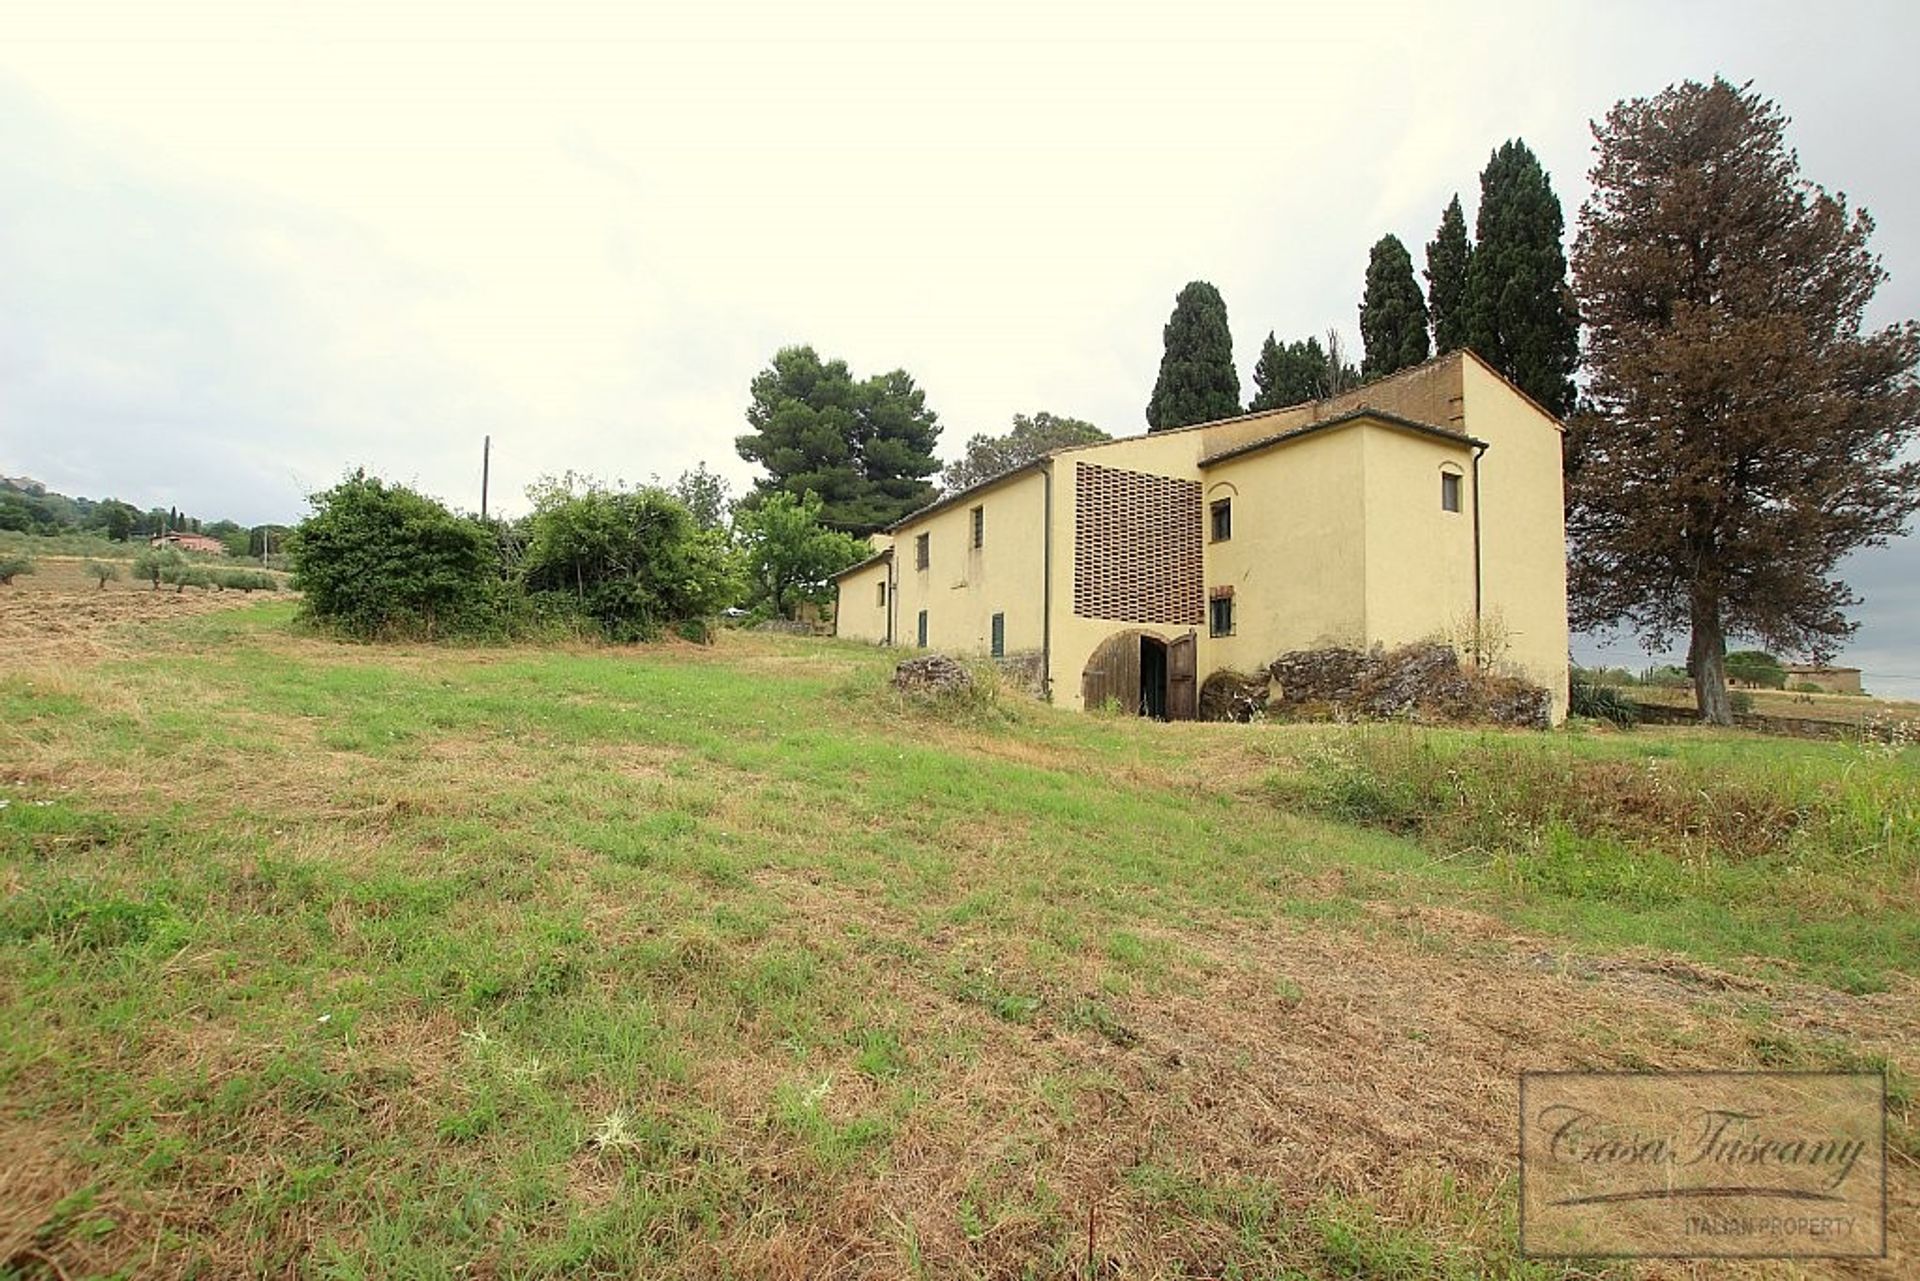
x,y
1393,315
1448,258
1288,374
1266,376
1197,382
1520,311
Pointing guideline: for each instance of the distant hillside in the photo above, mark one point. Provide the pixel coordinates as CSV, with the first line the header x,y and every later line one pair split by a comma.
x,y
27,506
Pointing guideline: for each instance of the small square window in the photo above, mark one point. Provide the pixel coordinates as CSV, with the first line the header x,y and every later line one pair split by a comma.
x,y
880,593
1449,491
1222,520
922,552
1220,616
979,527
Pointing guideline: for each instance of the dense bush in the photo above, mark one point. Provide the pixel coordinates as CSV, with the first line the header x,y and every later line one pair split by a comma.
x,y
378,560
245,580
11,567
630,561
381,561
158,564
1587,697
185,575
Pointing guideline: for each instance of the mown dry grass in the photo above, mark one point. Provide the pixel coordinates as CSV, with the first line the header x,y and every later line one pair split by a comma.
x,y
57,616
341,961
1791,705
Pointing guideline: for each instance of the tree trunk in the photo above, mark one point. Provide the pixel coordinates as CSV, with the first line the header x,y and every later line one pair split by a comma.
x,y
1707,658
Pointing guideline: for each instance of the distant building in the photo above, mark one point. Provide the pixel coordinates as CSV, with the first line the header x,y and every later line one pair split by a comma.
x,y
190,542
1830,680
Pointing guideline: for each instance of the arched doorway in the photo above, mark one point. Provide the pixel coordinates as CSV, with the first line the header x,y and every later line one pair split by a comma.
x,y
1142,673
1153,677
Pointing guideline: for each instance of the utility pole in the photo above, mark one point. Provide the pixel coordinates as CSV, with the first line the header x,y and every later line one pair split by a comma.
x,y
486,463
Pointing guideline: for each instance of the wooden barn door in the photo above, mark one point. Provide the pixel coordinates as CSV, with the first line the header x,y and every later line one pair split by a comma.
x,y
1183,692
1113,672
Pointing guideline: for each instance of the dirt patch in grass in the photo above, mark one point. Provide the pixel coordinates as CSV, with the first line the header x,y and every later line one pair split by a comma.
x,y
56,1219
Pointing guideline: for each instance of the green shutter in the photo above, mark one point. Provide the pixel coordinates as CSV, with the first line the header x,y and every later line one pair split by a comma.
x,y
999,635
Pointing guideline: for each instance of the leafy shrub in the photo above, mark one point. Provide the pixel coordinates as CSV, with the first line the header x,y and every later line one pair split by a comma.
x,y
378,560
156,565
630,561
246,580
185,575
1740,701
102,572
12,567
1586,697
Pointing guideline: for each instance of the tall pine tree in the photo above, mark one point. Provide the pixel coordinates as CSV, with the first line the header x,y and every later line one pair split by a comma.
x,y
1197,382
1449,257
866,448
1393,315
1743,430
1520,313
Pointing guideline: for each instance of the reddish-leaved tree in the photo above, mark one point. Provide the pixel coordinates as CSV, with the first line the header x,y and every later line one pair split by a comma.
x,y
1741,431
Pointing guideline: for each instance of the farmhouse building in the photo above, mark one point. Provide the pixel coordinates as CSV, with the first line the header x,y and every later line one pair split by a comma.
x,y
1829,680
189,542
1426,504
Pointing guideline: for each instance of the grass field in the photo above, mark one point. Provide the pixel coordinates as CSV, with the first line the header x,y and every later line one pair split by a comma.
x,y
335,961
1839,709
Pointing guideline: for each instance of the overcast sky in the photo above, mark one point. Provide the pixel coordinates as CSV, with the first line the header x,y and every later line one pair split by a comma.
x,y
246,246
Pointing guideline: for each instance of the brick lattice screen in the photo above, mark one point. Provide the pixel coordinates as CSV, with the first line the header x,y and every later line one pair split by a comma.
x,y
1137,546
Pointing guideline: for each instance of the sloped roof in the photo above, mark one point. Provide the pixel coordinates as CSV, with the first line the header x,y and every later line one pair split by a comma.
x,y
1341,420
885,553
1458,355
945,501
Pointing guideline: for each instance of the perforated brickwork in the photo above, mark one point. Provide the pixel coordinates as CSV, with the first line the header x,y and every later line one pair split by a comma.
x,y
1137,547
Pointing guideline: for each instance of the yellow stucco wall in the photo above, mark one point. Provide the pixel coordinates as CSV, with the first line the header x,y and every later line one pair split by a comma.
x,y
859,612
1297,560
1522,528
962,587
1419,555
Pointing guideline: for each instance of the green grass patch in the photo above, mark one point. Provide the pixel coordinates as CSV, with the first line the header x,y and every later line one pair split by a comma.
x,y
673,961
1720,846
